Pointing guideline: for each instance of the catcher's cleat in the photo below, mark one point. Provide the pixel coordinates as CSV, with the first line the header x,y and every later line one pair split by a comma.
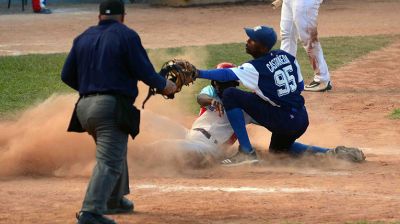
x,y
92,218
318,86
346,153
118,207
241,158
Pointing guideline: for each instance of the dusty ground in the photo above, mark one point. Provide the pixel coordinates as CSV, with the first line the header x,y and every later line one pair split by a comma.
x,y
166,27
306,191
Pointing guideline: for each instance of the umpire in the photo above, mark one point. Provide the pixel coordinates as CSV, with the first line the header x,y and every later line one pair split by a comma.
x,y
104,65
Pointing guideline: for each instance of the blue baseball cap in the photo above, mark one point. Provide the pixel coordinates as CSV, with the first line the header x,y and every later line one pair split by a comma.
x,y
262,34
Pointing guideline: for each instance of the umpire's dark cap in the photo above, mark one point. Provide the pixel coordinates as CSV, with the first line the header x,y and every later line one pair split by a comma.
x,y
262,34
112,7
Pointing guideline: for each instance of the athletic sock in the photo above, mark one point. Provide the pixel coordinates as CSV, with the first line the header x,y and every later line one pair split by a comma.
x,y
298,148
236,118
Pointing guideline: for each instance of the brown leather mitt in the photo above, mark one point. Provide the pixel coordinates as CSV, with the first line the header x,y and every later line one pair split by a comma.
x,y
179,71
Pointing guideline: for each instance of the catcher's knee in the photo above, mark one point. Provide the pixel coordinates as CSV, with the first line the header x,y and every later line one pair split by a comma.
x,y
230,98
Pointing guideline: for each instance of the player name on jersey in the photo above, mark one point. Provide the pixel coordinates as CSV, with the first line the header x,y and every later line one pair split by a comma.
x,y
276,62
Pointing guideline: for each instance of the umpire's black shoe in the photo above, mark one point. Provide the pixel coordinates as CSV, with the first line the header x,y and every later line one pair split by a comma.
x,y
241,158
121,206
92,218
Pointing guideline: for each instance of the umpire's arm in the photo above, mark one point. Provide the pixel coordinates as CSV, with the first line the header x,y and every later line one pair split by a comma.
x,y
69,73
139,63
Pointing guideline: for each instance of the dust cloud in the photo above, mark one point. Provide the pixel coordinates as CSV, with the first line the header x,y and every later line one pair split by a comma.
x,y
36,143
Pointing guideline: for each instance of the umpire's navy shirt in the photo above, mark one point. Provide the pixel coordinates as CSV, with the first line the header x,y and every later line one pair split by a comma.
x,y
109,58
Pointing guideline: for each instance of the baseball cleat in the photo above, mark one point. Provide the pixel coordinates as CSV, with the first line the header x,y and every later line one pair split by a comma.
x,y
118,207
347,153
92,218
321,86
241,158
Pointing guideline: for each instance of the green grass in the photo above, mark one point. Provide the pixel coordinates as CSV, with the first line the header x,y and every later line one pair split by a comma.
x,y
395,114
28,79
25,80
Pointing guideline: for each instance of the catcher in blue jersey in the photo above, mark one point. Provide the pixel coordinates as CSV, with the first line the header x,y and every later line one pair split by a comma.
x,y
276,103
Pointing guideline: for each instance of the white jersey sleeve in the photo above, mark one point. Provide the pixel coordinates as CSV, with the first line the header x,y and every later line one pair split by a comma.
x,y
299,75
248,75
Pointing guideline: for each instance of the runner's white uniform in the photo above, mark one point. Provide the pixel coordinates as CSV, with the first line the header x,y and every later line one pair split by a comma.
x,y
218,128
196,144
299,21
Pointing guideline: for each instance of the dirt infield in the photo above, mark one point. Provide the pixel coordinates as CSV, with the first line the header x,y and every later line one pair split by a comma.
x,y
169,27
277,191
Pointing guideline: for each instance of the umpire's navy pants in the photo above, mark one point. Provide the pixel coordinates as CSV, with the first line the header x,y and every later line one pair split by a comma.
x,y
109,181
286,124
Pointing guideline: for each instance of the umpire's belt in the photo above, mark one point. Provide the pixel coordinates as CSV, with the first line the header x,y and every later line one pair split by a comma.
x,y
96,94
206,134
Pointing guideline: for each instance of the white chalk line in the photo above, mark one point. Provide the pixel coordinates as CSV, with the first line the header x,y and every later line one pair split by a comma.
x,y
322,173
10,52
74,11
256,190
261,190
18,53
382,151
28,44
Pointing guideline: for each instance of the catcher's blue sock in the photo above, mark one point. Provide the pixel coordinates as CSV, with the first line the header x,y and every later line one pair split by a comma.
x,y
298,148
236,118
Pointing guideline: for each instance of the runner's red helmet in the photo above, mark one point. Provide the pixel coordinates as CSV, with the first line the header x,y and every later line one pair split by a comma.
x,y
224,85
226,65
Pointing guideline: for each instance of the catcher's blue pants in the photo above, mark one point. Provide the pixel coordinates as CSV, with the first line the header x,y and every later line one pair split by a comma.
x,y
285,124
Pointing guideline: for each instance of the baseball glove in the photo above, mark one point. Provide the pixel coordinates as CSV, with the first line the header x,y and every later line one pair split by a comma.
x,y
276,4
179,71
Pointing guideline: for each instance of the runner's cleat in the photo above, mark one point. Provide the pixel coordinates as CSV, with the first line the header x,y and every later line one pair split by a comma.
x,y
241,158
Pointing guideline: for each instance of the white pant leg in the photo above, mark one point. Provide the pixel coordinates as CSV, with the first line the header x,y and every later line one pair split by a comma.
x,y
305,19
196,141
179,153
288,29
